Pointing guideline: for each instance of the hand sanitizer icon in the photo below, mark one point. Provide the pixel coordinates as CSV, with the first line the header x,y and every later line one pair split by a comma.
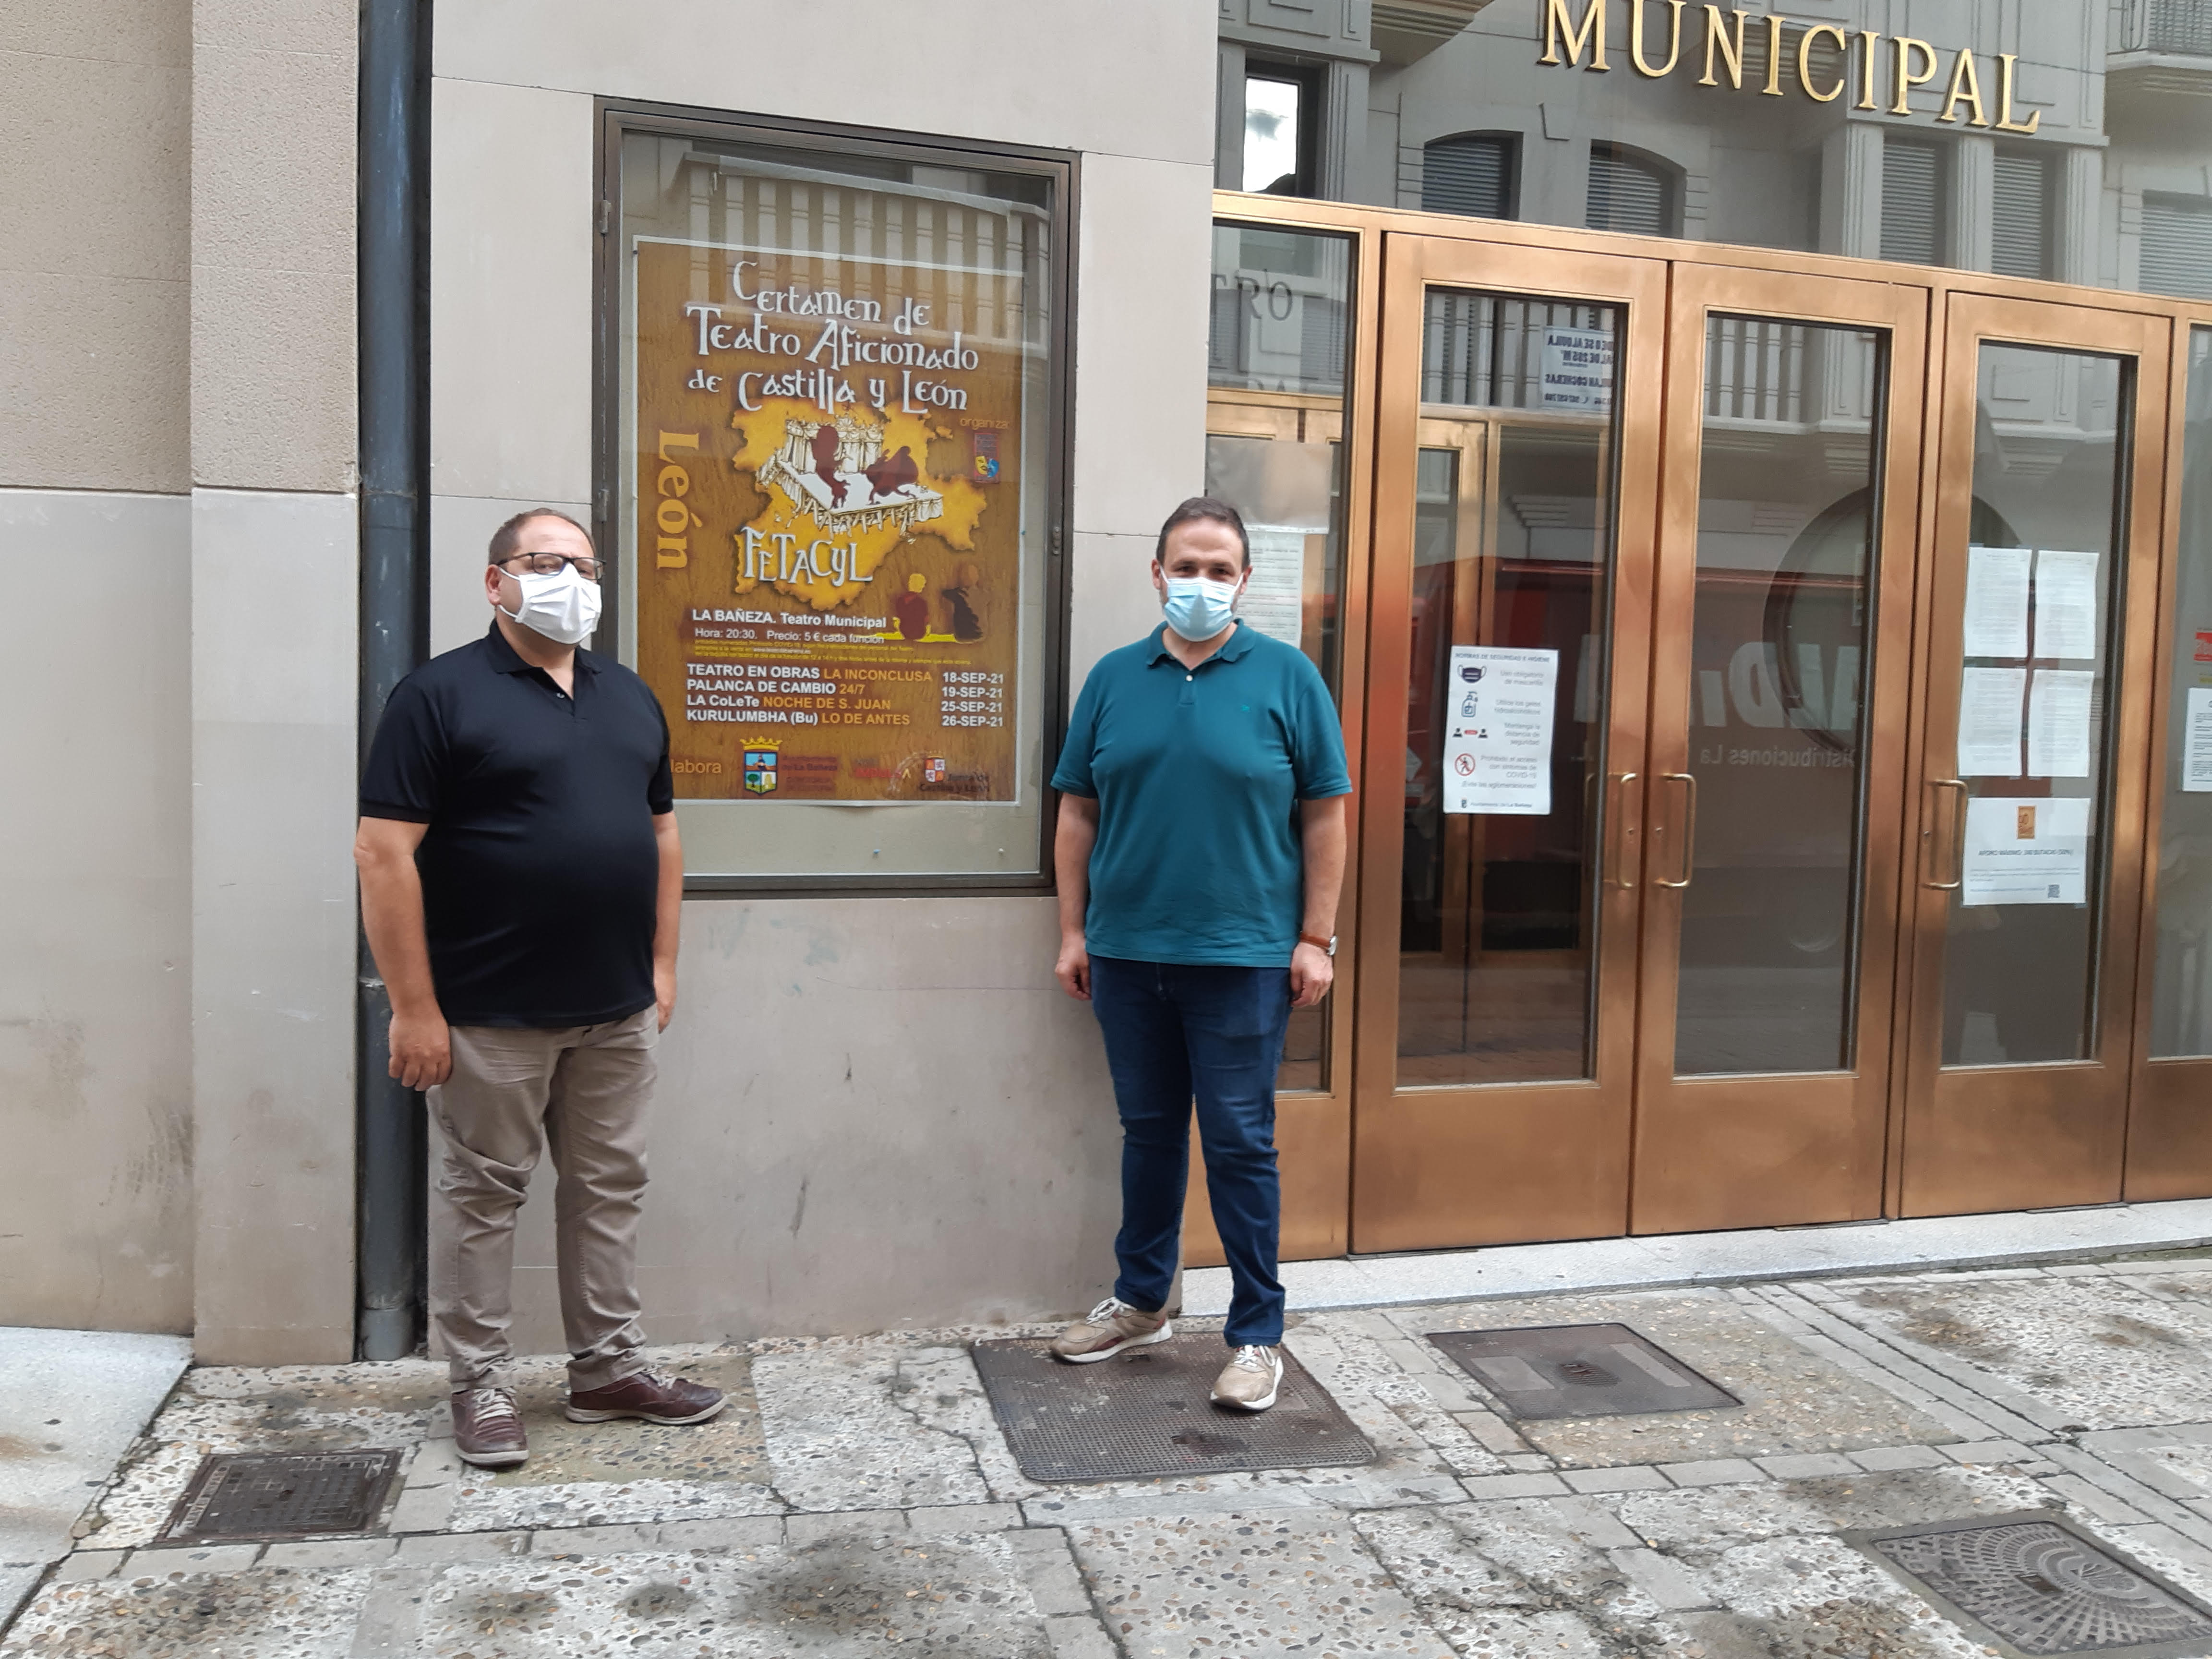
x,y
1467,709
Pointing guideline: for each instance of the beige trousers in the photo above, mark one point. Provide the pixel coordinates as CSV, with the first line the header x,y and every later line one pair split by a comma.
x,y
585,1090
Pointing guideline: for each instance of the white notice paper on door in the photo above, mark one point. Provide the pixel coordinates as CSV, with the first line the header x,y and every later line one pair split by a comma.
x,y
2197,741
1989,721
2065,603
2059,722
2025,852
1273,600
1996,602
1498,730
1577,368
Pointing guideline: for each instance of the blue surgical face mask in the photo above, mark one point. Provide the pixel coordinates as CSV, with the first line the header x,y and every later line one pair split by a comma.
x,y
1198,609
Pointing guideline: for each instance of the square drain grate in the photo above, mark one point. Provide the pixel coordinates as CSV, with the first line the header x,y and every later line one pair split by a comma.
x,y
1580,1370
2036,1585
280,1495
1146,1412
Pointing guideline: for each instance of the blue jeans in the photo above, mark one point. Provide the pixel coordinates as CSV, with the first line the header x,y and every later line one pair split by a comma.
x,y
1173,1032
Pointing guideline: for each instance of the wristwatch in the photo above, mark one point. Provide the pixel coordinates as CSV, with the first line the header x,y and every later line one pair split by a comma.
x,y
1327,945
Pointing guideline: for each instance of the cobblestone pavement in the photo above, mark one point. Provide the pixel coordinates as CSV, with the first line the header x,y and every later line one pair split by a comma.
x,y
857,1498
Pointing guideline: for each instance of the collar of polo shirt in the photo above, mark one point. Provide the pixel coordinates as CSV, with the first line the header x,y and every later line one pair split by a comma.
x,y
506,660
1238,642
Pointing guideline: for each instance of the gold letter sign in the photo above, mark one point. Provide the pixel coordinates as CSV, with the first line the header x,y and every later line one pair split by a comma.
x,y
1912,63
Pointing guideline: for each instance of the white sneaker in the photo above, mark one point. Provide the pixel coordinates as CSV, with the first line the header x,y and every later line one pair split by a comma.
x,y
1108,1328
1250,1379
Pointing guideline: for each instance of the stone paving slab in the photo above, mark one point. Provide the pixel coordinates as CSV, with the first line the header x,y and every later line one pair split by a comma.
x,y
2098,1352
1794,1401
860,1470
71,1402
1252,1582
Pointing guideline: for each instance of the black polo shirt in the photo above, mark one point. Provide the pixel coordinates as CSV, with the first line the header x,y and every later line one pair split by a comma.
x,y
540,874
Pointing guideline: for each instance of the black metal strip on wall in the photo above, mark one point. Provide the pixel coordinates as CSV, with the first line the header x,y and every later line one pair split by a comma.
x,y
394,200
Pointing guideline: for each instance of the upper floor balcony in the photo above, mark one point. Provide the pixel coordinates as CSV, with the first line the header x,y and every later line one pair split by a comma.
x,y
2165,46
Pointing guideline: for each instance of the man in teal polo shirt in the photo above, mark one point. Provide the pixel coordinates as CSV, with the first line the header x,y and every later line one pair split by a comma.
x,y
1199,852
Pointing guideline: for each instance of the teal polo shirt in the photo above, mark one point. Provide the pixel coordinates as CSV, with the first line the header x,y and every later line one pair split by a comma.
x,y
1198,773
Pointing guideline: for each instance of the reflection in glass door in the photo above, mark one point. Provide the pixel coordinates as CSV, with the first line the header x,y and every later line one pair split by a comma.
x,y
1781,638
2169,1131
1284,326
2029,810
1776,757
1516,458
1513,492
2032,816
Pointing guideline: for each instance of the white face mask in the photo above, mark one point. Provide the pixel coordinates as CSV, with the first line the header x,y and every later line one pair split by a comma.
x,y
1197,608
563,607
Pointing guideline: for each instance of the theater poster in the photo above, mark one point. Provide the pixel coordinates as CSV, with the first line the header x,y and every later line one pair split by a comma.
x,y
828,549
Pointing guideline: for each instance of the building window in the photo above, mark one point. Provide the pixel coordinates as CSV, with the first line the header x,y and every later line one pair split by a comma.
x,y
2020,215
1281,129
2179,26
1631,192
1913,201
1475,173
830,428
2177,253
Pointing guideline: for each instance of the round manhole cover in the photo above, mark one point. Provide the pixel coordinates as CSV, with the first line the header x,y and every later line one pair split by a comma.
x,y
2045,1590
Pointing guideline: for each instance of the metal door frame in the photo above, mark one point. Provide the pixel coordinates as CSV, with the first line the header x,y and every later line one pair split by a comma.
x,y
1969,1133
2167,1153
1755,1150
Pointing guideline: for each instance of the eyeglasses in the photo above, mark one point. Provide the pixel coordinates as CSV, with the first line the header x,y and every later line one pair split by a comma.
x,y
549,564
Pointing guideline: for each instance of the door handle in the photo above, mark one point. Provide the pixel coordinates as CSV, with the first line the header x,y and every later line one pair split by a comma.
x,y
1689,826
1624,832
1958,833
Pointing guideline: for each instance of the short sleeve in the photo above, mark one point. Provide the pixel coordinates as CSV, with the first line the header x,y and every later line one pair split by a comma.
x,y
1073,775
1317,761
405,774
661,794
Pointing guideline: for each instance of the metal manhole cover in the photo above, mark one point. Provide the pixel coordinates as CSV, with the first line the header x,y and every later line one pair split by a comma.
x,y
277,1495
2038,1586
1580,1370
1146,1412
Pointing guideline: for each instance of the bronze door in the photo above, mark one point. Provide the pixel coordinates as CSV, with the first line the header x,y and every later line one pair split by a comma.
x,y
2169,1131
1780,674
2035,695
1517,469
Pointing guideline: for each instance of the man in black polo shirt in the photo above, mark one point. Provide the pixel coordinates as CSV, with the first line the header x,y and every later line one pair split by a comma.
x,y
520,883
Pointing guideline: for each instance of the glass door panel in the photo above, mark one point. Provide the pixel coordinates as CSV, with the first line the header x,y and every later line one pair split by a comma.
x,y
2169,1129
2181,996
1513,544
2031,814
1287,444
1276,370
1781,665
1516,457
1781,637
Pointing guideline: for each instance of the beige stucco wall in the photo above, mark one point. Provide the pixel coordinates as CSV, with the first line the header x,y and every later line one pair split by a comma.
x,y
96,113
95,1056
873,1112
96,1188
274,580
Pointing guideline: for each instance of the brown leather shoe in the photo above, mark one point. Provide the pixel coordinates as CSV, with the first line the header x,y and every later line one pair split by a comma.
x,y
488,1428
649,1397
